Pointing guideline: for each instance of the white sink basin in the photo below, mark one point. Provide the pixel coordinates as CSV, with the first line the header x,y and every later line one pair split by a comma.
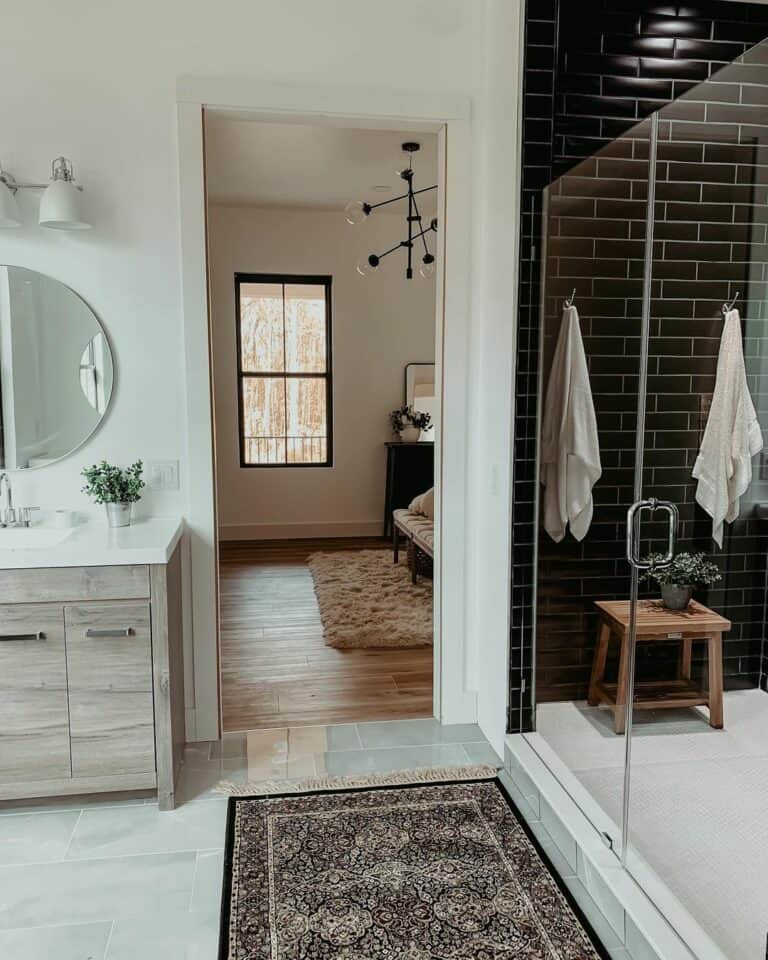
x,y
31,538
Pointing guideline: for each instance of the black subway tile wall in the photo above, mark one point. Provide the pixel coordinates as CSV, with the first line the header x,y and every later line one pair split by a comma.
x,y
600,68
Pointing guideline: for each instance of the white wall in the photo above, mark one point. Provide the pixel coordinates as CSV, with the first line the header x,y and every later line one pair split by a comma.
x,y
380,323
96,82
494,310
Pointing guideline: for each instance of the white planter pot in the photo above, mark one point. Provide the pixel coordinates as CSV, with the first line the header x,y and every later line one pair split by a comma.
x,y
118,514
410,434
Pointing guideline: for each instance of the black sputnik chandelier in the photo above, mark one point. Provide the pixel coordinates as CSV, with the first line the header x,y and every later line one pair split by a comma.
x,y
358,211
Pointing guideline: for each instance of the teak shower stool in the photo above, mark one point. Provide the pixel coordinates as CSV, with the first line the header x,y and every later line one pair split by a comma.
x,y
655,623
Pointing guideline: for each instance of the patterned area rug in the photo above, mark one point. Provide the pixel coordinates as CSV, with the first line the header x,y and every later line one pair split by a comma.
x,y
445,871
366,600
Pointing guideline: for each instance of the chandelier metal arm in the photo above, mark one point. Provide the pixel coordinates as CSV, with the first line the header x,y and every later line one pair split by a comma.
x,y
383,203
422,234
432,228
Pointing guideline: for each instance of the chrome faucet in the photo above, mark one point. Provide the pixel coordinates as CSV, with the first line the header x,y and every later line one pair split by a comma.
x,y
9,517
8,514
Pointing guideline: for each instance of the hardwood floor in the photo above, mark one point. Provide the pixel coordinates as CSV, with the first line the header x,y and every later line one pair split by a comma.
x,y
276,670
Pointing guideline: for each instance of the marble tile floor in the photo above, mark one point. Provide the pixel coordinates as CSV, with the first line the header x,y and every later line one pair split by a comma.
x,y
112,878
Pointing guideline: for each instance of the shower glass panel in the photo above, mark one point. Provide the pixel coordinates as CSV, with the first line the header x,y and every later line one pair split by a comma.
x,y
595,218
650,239
695,806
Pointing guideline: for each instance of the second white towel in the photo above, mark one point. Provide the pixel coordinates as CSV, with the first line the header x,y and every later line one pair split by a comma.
x,y
732,435
570,452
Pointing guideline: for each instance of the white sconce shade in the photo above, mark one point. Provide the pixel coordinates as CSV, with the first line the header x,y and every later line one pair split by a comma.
x,y
60,203
60,207
9,209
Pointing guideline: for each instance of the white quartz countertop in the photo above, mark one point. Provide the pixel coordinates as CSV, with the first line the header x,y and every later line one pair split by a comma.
x,y
90,544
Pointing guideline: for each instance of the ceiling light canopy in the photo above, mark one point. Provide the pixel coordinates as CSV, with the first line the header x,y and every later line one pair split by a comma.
x,y
358,211
59,205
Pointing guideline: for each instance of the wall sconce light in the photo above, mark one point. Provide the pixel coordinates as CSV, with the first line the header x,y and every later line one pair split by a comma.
x,y
59,205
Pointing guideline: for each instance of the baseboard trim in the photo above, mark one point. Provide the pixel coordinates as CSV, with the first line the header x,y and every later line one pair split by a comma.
x,y
299,531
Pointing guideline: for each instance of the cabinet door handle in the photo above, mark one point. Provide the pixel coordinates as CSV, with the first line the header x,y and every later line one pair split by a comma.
x,y
103,634
21,636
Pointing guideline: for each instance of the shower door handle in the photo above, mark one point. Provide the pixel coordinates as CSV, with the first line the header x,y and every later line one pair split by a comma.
x,y
634,515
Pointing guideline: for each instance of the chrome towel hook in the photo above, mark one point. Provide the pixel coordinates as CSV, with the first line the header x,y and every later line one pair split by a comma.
x,y
727,307
569,301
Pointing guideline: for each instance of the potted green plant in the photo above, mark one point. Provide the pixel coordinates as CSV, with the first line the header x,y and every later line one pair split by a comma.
x,y
421,420
408,423
680,578
401,421
116,487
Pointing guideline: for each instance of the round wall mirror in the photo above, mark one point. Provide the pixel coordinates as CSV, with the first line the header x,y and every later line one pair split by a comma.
x,y
56,371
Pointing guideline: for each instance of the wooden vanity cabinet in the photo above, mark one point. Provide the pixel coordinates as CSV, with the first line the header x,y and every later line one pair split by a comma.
x,y
34,714
109,677
91,685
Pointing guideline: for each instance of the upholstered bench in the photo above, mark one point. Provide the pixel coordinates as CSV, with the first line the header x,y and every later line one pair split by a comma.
x,y
419,533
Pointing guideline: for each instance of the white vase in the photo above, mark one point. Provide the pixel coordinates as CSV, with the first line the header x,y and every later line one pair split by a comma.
x,y
409,434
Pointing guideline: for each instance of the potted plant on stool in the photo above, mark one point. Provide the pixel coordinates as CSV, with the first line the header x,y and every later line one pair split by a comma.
x,y
116,487
680,578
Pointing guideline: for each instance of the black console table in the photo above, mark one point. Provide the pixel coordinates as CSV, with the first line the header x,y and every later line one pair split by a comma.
x,y
410,471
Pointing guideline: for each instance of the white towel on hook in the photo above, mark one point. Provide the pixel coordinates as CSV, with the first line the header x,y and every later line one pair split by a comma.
x,y
570,452
732,435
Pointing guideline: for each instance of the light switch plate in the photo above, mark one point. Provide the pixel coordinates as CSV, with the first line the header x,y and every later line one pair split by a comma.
x,y
163,474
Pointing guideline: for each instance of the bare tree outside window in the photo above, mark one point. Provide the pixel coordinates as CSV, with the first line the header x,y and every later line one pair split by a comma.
x,y
284,370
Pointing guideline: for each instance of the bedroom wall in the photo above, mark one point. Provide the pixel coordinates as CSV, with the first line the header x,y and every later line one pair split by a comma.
x,y
380,323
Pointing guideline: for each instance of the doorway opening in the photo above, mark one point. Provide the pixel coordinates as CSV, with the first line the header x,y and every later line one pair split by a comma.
x,y
326,528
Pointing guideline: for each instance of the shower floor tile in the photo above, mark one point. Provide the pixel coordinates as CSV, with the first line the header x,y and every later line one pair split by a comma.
x,y
698,806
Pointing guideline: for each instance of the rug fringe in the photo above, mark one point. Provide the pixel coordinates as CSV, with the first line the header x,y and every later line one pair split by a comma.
x,y
359,781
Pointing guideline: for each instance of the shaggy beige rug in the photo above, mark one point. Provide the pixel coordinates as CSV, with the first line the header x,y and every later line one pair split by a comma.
x,y
368,601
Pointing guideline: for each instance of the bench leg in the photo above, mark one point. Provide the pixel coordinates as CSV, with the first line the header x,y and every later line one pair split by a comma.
x,y
686,652
598,663
716,680
622,691
395,545
412,559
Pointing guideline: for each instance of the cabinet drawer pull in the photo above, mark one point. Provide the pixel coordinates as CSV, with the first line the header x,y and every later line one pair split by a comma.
x,y
103,634
21,636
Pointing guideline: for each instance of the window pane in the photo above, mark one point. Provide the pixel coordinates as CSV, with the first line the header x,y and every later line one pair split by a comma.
x,y
261,327
305,328
306,415
264,419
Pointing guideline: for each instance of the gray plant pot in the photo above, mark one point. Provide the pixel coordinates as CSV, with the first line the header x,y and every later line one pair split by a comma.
x,y
118,514
675,596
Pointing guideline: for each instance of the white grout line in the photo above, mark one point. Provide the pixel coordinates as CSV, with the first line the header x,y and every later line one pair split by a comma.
x,y
109,940
194,877
115,856
71,836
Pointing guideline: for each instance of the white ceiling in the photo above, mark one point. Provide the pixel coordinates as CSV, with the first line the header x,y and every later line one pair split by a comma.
x,y
249,162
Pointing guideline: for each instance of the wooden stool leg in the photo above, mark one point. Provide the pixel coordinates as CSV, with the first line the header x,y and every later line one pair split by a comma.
x,y
598,662
716,680
686,650
622,691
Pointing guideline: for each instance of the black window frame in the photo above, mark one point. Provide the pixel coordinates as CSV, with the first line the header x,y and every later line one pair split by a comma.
x,y
286,279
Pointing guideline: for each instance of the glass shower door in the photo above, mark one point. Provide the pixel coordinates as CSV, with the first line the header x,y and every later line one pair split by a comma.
x,y
594,258
695,802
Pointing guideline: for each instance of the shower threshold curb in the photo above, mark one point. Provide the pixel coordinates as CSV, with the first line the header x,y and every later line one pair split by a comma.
x,y
623,914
